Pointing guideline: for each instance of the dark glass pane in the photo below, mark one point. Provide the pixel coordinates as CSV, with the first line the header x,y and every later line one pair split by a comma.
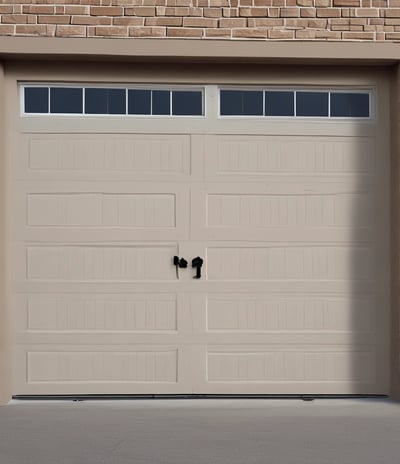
x,y
105,101
161,102
36,99
241,103
139,102
279,103
311,103
66,100
354,105
185,103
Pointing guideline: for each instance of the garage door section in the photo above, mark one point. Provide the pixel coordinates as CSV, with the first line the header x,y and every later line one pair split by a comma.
x,y
289,219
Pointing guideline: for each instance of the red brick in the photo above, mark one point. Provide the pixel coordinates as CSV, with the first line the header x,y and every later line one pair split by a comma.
x,y
230,12
212,12
346,3
328,13
167,21
200,22
215,33
127,2
147,31
6,9
327,35
14,19
7,29
195,12
233,22
91,20
255,33
38,9
283,35
308,12
367,12
128,21
265,22
54,19
305,34
290,12
70,31
108,11
111,31
184,32
317,23
259,12
358,35
392,13
216,3
30,29
76,10
388,22
177,11
296,23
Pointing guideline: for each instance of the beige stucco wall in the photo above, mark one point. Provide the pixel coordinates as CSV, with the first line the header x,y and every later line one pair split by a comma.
x,y
338,20
5,374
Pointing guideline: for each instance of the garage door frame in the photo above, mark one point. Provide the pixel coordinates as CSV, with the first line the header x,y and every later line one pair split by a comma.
x,y
301,73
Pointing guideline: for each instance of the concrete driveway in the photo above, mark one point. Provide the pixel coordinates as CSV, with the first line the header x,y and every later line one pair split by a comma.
x,y
201,432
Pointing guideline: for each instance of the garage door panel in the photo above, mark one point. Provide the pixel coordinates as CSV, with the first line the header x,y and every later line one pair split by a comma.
x,y
101,211
290,211
74,263
88,369
92,313
242,157
241,313
296,262
75,366
336,364
106,156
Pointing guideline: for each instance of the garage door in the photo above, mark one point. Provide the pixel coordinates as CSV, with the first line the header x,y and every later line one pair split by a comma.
x,y
288,214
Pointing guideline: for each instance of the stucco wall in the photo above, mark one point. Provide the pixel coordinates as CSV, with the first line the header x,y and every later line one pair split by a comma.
x,y
348,20
5,372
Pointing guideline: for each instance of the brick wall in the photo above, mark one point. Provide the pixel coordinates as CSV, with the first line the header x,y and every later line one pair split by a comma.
x,y
350,20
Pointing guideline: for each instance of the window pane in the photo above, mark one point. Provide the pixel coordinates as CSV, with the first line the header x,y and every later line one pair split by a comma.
x,y
105,101
65,100
185,103
241,103
279,103
139,101
161,102
355,105
36,99
311,104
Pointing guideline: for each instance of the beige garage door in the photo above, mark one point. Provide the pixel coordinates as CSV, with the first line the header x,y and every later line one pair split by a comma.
x,y
290,218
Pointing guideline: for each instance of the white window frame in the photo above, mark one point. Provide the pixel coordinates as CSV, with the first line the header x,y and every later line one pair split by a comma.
x,y
364,90
127,87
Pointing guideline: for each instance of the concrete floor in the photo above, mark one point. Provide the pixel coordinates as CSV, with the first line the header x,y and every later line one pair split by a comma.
x,y
201,432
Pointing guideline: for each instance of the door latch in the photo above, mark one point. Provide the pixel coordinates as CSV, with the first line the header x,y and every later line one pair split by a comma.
x,y
179,263
197,263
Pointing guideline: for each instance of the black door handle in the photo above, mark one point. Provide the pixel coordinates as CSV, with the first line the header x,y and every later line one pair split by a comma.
x,y
179,263
197,263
